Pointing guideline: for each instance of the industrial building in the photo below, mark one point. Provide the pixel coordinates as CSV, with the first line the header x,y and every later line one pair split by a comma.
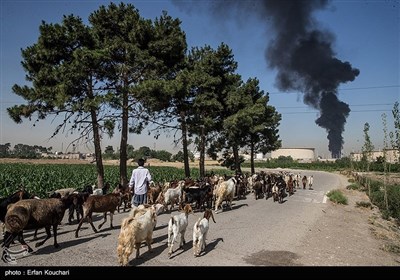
x,y
392,156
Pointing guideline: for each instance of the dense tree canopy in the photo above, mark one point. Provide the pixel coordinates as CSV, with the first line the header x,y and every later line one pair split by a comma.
x,y
122,72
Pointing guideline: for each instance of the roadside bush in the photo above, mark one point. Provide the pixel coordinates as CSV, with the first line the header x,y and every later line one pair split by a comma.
x,y
385,214
393,193
375,186
365,204
353,187
378,198
337,196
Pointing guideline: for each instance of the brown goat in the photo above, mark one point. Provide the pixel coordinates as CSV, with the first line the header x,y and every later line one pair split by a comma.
x,y
34,214
126,196
153,193
99,204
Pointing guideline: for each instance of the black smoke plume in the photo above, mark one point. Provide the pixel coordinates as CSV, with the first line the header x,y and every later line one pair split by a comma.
x,y
302,54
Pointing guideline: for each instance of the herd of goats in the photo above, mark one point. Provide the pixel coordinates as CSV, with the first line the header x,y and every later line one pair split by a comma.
x,y
22,211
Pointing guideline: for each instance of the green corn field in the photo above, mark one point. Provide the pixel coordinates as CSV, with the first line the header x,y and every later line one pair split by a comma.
x,y
40,179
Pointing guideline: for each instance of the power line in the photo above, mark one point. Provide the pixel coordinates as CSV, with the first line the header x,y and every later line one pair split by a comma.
x,y
342,89
355,111
389,86
352,105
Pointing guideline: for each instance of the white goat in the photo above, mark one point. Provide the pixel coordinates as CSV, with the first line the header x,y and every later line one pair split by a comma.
x,y
65,191
275,192
135,230
177,225
173,195
159,208
97,192
200,230
225,190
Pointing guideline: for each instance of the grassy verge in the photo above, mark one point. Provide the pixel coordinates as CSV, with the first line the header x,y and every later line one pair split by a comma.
x,y
337,196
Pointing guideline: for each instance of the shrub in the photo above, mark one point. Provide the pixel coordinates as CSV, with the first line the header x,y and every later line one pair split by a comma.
x,y
393,193
378,198
392,248
337,196
385,214
365,204
375,185
353,187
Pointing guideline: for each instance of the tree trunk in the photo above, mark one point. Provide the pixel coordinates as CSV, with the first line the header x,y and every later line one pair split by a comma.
x,y
236,159
252,169
97,149
202,152
185,144
368,182
123,157
385,185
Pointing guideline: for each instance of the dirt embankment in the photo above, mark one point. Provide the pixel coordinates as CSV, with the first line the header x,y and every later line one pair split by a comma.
x,y
349,235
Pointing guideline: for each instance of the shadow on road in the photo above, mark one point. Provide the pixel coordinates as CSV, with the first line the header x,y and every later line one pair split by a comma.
x,y
161,226
66,244
187,246
145,255
234,207
210,246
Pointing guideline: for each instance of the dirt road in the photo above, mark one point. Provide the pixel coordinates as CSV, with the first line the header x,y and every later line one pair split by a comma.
x,y
254,232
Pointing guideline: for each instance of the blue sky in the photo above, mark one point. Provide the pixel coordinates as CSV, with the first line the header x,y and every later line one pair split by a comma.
x,y
367,35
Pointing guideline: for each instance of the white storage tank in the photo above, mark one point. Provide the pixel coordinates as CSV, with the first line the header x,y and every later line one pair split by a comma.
x,y
300,154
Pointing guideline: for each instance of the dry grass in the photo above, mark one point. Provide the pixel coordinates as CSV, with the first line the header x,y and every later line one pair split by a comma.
x,y
386,230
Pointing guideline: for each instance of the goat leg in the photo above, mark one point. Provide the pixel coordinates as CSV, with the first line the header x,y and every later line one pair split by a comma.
x,y
111,219
45,239
137,245
71,213
149,239
91,223
8,239
55,235
197,248
79,212
119,205
182,240
104,220
171,241
35,235
23,243
79,226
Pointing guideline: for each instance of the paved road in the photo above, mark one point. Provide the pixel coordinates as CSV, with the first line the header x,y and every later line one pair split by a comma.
x,y
254,232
